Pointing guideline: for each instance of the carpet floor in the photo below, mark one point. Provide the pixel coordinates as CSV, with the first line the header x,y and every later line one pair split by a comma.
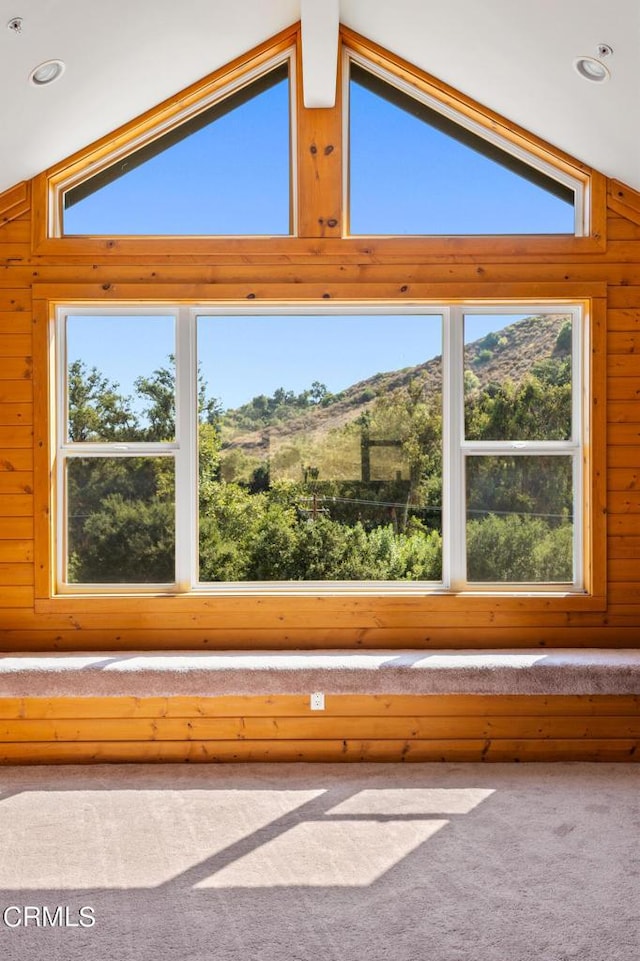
x,y
294,862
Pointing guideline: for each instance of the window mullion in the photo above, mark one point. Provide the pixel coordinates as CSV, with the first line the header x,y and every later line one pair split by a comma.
x,y
580,379
519,448
186,429
453,458
62,394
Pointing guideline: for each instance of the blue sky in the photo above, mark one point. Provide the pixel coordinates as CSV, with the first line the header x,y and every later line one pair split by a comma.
x,y
409,178
243,356
249,355
232,177
292,352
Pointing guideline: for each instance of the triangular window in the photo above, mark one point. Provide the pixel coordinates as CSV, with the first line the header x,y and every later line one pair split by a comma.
x,y
399,155
224,170
418,167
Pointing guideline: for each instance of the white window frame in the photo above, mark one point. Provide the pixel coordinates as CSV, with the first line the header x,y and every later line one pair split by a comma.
x,y
580,188
57,191
456,449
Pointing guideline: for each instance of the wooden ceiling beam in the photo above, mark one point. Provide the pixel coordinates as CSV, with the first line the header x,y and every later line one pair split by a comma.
x,y
320,21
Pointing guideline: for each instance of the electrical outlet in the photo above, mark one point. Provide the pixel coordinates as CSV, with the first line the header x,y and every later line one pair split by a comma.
x,y
316,701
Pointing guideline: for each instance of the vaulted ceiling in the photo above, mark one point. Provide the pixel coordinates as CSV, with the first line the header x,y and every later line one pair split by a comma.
x,y
124,56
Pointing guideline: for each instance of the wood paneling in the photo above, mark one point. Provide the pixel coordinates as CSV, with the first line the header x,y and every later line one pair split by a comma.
x,y
319,161
619,749
15,552
282,727
14,202
16,461
336,705
624,201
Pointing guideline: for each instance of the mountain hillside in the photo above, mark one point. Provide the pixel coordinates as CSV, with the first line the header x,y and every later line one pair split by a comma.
x,y
507,354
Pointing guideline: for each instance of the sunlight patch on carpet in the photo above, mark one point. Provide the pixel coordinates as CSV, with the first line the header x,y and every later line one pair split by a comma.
x,y
421,801
128,839
327,854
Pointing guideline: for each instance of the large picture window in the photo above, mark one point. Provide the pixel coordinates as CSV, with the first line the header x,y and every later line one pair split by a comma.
x,y
431,447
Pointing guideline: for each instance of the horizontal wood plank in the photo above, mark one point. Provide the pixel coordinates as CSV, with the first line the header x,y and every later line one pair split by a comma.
x,y
623,525
14,202
16,505
16,436
15,322
16,368
14,393
15,552
623,480
15,344
34,636
625,546
15,299
617,749
623,502
16,232
16,482
623,435
16,460
15,595
317,727
624,318
336,705
15,575
17,528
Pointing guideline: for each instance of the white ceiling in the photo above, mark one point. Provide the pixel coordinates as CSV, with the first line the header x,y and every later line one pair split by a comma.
x,y
124,56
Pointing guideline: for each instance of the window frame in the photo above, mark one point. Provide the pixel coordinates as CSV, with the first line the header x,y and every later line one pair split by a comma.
x,y
456,449
433,98
168,124
69,450
172,124
50,186
460,449
318,175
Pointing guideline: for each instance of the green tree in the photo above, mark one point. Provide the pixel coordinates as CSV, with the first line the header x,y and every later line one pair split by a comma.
x,y
96,408
120,519
519,549
159,392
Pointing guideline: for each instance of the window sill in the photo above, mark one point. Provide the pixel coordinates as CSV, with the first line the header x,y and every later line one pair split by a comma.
x,y
282,602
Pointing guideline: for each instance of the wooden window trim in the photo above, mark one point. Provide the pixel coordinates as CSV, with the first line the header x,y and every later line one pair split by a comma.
x,y
317,161
448,605
594,184
15,202
320,263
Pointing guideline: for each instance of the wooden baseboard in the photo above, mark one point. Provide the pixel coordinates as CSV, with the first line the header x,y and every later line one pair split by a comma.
x,y
351,728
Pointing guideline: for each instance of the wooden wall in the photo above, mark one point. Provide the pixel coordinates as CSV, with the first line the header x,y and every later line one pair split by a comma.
x,y
318,267
327,621
352,728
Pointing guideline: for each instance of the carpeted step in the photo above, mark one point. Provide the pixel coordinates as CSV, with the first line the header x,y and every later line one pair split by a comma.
x,y
143,674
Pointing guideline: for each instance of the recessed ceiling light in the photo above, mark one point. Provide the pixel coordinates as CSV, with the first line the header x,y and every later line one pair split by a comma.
x,y
591,69
46,73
